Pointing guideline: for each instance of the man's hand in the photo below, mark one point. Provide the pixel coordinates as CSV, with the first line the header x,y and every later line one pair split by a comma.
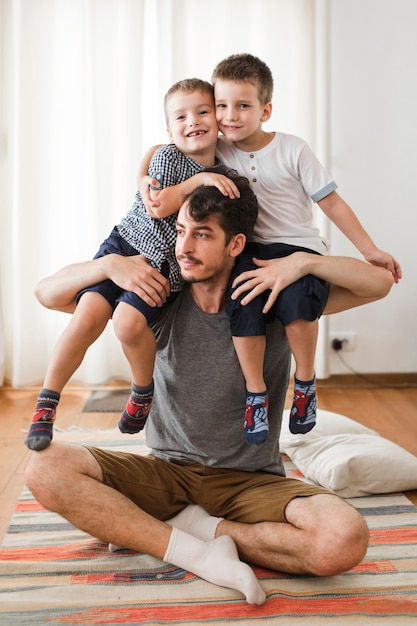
x,y
275,275
134,273
353,282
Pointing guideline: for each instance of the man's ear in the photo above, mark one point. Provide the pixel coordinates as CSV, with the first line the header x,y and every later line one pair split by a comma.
x,y
237,244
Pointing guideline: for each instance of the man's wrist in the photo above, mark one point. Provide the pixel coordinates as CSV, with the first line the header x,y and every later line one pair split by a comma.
x,y
304,262
104,266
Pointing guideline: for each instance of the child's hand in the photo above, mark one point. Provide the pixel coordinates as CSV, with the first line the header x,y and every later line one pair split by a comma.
x,y
226,186
144,185
384,259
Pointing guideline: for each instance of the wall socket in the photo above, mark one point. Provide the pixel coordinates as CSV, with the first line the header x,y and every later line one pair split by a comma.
x,y
348,339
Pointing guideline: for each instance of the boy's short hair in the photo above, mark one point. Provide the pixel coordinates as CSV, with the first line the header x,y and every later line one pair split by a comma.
x,y
234,215
188,85
246,68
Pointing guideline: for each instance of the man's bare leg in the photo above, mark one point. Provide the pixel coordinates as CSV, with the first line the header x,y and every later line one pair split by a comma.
x,y
67,479
323,536
194,520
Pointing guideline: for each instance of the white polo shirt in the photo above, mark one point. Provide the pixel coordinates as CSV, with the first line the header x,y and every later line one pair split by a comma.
x,y
287,178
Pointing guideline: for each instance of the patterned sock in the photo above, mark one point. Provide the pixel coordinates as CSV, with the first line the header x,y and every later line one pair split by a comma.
x,y
304,407
137,409
40,432
255,429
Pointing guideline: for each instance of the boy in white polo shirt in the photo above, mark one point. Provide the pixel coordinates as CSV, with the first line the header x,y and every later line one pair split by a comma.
x,y
287,178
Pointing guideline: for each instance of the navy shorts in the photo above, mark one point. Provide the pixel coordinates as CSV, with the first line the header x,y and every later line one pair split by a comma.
x,y
305,299
115,244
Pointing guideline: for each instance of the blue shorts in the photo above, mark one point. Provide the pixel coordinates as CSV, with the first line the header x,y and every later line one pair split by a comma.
x,y
115,244
304,299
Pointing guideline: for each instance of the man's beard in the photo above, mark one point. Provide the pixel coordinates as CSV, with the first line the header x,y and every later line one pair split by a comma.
x,y
191,280
211,272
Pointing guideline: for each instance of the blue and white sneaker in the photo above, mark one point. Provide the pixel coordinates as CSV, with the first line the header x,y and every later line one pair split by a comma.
x,y
255,429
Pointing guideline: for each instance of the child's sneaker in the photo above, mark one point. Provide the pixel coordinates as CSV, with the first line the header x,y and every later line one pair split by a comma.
x,y
134,416
256,428
40,431
304,407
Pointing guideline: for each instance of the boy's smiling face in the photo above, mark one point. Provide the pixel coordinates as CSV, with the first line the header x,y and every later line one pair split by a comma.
x,y
192,123
239,111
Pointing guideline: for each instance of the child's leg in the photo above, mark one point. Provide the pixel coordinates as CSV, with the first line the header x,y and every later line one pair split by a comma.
x,y
302,338
86,325
251,353
139,346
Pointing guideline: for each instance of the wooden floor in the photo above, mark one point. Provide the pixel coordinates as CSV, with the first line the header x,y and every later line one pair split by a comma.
x,y
391,412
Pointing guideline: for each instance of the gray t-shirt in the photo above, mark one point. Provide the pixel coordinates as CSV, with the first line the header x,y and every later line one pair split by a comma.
x,y
199,403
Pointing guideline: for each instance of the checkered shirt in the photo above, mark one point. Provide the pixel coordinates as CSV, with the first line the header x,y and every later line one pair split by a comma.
x,y
155,238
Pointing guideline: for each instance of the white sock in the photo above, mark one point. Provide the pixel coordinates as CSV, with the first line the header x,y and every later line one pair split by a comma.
x,y
114,548
216,561
196,521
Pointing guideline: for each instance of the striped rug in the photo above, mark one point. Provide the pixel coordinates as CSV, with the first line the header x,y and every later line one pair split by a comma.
x,y
52,573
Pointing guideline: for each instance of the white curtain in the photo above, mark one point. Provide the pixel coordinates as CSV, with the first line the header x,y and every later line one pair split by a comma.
x,y
82,84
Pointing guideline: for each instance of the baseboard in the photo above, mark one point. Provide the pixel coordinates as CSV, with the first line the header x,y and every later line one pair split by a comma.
x,y
336,381
386,380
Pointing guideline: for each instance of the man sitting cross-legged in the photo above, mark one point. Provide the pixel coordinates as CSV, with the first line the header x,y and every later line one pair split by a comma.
x,y
204,500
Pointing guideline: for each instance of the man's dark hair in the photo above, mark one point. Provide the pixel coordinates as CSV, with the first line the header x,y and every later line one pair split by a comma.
x,y
234,215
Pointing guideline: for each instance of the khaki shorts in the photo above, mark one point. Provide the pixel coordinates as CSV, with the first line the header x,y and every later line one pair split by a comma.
x,y
163,488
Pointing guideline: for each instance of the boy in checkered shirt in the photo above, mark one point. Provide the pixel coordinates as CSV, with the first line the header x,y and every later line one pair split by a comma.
x,y
192,130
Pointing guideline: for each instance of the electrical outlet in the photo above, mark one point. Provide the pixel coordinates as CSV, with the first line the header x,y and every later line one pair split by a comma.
x,y
347,338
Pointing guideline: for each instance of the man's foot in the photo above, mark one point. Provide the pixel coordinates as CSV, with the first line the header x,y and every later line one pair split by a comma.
x,y
137,409
216,561
221,565
304,407
255,429
114,548
195,520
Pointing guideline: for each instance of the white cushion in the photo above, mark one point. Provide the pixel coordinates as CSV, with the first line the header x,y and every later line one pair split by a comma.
x,y
328,423
349,458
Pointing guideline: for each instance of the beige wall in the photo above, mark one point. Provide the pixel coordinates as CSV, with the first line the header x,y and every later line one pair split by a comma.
x,y
373,157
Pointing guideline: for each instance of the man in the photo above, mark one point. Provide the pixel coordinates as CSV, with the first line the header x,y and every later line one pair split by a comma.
x,y
205,498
